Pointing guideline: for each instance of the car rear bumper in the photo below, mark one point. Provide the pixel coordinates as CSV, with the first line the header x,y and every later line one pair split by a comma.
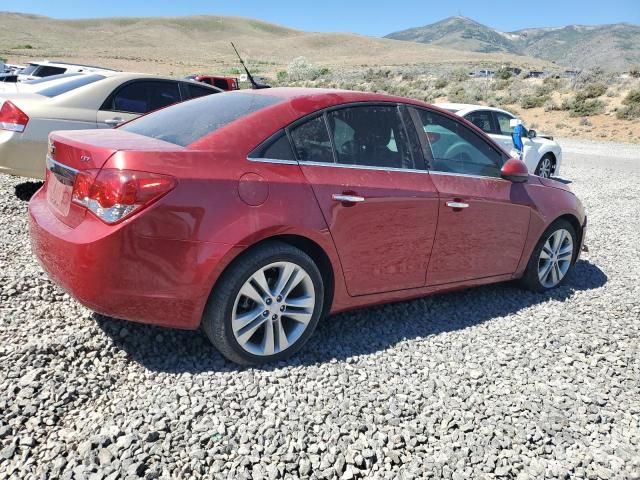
x,y
21,157
118,273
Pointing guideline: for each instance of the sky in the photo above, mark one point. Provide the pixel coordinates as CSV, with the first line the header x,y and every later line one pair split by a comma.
x,y
367,17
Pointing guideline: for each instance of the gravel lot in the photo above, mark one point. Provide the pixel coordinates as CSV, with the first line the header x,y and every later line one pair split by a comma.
x,y
485,383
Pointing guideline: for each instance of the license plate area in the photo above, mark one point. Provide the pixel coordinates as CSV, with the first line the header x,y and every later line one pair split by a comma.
x,y
59,187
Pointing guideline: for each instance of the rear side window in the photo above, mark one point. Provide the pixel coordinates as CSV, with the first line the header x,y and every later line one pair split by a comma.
x,y
187,122
72,84
277,147
47,71
143,97
311,141
196,91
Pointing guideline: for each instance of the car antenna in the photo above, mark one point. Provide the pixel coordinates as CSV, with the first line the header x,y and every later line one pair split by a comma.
x,y
255,85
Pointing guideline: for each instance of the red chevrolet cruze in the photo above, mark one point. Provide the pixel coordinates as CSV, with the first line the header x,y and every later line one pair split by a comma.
x,y
254,213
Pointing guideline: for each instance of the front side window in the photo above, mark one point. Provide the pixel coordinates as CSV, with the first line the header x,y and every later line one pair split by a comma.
x,y
311,141
504,123
454,148
371,135
482,120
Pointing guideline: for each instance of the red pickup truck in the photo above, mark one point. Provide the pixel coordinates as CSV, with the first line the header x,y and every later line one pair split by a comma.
x,y
224,83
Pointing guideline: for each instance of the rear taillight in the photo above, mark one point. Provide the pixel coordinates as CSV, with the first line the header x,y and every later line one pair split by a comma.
x,y
12,118
113,194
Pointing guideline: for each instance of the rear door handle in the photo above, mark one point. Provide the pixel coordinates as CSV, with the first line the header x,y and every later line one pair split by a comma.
x,y
340,197
457,205
114,121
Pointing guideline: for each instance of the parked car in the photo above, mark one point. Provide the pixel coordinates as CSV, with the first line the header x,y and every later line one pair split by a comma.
x,y
256,212
35,84
85,101
542,154
47,68
223,83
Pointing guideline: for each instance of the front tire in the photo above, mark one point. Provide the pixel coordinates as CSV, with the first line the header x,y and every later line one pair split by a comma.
x,y
546,166
266,305
553,258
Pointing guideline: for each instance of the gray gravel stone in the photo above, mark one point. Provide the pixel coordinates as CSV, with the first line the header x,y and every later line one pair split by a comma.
x,y
485,383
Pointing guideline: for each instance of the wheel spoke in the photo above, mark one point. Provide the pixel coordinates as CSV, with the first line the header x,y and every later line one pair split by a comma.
x,y
300,302
244,319
268,342
554,273
283,278
249,330
546,252
249,291
544,273
299,316
281,337
261,281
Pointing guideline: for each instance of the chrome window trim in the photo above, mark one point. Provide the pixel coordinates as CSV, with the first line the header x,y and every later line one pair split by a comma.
x,y
362,167
453,174
272,160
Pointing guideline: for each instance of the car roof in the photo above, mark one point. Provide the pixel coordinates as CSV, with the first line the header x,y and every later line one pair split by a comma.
x,y
464,108
319,98
69,64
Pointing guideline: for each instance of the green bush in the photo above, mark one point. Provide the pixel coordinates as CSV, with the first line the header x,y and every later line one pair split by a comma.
x,y
22,47
591,90
504,74
282,76
635,71
586,107
441,83
533,101
631,110
459,75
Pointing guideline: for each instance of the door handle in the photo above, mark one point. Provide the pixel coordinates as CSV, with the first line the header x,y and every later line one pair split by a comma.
x,y
114,121
340,197
457,205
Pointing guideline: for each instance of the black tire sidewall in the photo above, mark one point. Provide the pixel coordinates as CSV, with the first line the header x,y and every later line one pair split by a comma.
x,y
234,281
531,279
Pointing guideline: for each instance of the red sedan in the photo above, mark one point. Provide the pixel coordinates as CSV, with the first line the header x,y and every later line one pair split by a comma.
x,y
255,213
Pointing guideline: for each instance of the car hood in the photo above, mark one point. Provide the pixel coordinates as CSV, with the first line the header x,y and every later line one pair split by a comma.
x,y
543,140
549,182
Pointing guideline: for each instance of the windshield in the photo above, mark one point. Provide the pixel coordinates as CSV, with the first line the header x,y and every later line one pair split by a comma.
x,y
187,122
64,87
48,79
29,69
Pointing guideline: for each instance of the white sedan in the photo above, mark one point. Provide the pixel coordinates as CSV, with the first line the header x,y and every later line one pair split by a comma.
x,y
541,153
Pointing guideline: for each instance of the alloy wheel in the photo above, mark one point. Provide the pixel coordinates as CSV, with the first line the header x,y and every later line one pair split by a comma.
x,y
545,167
555,258
273,308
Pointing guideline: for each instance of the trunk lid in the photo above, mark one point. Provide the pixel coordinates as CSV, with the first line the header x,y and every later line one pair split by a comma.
x,y
73,151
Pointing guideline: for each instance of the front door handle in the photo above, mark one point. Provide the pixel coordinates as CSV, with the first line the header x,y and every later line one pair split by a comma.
x,y
341,197
113,122
456,205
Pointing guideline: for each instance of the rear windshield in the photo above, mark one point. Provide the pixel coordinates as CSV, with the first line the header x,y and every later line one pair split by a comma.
x,y
184,123
72,84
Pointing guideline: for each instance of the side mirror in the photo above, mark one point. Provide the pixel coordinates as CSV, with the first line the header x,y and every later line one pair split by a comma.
x,y
515,171
532,134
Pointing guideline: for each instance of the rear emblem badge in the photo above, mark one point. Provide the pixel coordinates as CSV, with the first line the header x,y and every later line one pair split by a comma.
x,y
85,158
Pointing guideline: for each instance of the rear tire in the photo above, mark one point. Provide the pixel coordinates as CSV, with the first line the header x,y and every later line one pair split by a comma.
x,y
546,166
553,258
266,305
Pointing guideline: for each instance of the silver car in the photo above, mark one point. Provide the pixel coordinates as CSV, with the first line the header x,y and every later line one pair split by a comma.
x,y
94,100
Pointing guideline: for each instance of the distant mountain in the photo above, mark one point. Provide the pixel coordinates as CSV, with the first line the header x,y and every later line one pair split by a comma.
x,y
613,47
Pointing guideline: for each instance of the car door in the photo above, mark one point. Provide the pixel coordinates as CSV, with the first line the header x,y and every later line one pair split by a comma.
x,y
483,219
368,176
135,98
